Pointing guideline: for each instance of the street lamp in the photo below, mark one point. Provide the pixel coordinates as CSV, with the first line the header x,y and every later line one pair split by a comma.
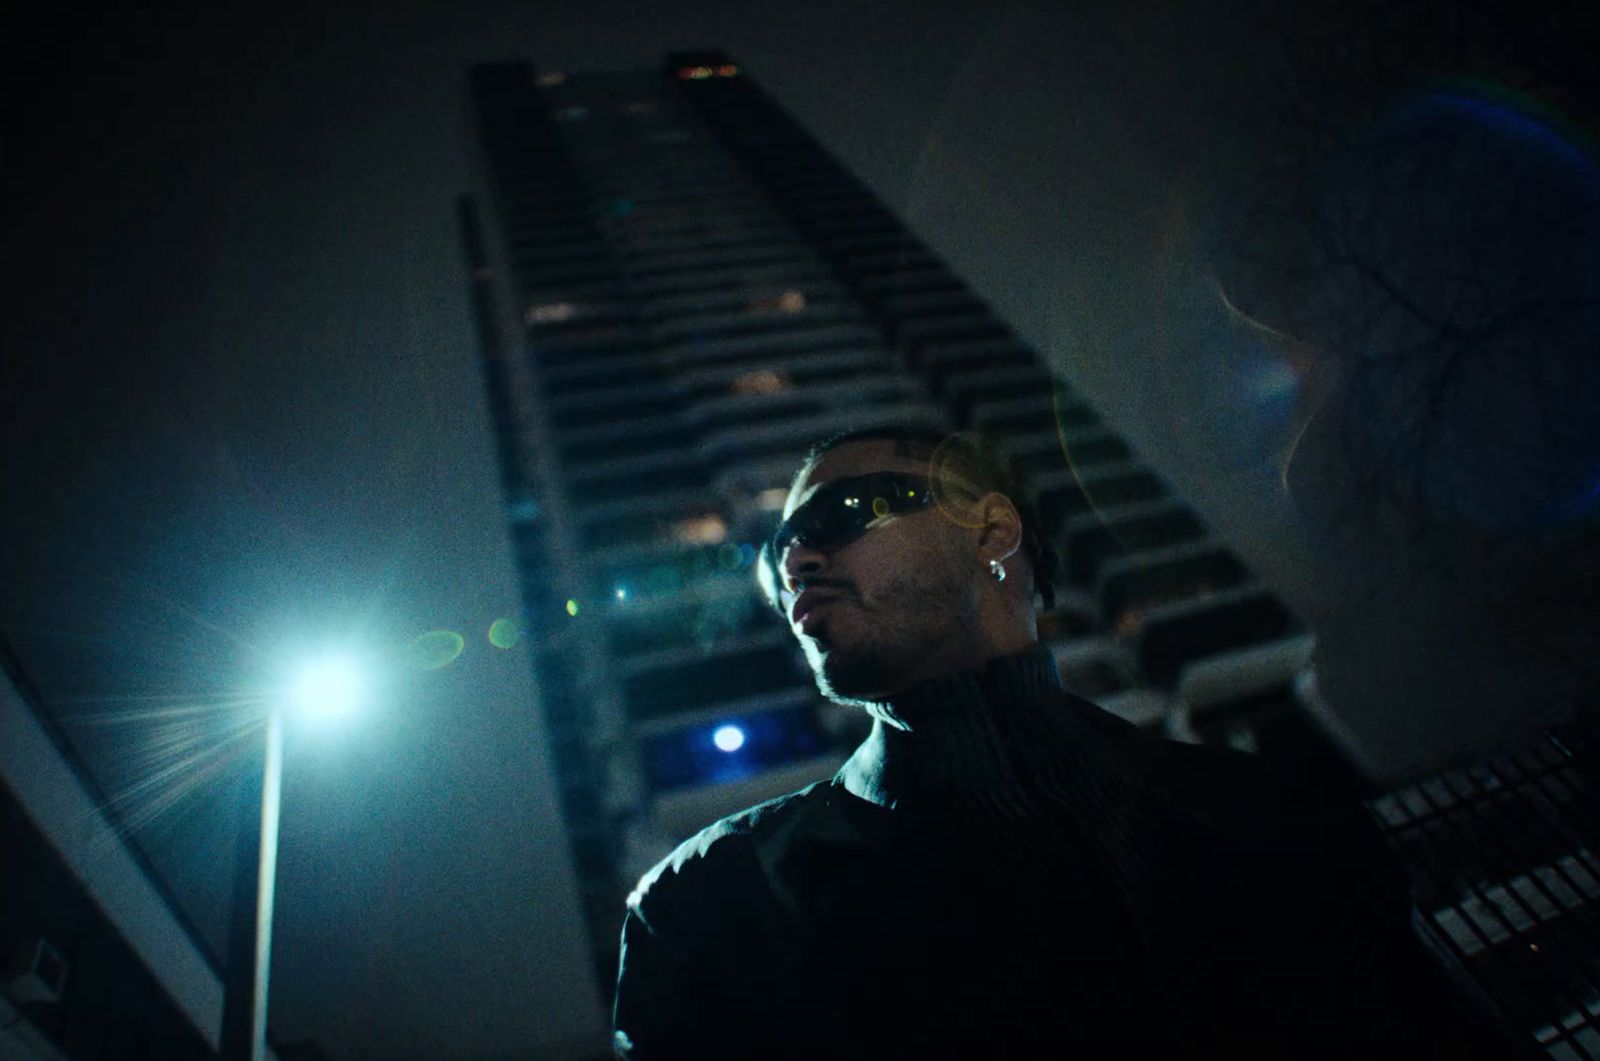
x,y
324,689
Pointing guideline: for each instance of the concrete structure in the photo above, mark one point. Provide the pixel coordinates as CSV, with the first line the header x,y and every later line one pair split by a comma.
x,y
99,959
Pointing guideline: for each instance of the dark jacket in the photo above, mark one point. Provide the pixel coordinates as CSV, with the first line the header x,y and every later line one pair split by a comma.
x,y
1004,870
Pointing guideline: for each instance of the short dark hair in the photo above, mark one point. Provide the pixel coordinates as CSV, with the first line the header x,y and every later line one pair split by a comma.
x,y
965,456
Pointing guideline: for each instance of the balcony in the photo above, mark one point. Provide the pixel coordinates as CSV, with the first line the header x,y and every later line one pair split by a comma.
x,y
656,687
1094,539
667,572
642,435
814,399
1207,688
709,382
773,737
577,376
651,473
939,365
1051,452
738,301
1149,709
699,255
1172,636
1063,496
797,435
964,390
1094,667
1038,412
739,260
967,329
746,322
802,270
1129,586
818,337
663,522
708,612
624,403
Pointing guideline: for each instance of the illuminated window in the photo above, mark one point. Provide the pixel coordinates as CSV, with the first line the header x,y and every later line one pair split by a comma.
x,y
1128,624
727,70
550,312
772,500
790,301
709,529
552,79
761,381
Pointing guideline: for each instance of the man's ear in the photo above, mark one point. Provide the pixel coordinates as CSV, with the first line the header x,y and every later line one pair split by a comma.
x,y
999,527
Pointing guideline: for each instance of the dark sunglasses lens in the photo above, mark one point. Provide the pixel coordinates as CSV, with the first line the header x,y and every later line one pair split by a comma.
x,y
839,514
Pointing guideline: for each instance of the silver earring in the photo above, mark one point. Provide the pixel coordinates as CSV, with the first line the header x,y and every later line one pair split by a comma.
x,y
998,570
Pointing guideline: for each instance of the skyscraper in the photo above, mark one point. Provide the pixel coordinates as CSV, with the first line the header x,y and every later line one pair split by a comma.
x,y
681,290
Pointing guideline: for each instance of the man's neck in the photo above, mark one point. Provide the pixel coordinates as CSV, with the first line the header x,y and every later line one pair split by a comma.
x,y
953,731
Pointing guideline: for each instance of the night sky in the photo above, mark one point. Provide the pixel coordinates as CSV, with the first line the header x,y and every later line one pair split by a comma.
x,y
243,413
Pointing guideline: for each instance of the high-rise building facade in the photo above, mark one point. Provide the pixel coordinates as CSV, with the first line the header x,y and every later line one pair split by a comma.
x,y
680,292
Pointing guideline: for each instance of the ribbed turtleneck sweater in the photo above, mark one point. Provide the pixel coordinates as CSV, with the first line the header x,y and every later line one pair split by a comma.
x,y
1004,870
1007,750
977,866
967,733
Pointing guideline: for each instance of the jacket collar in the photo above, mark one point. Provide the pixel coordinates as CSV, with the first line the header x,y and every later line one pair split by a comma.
x,y
963,732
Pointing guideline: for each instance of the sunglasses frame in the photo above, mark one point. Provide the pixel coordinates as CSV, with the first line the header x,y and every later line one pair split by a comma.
x,y
902,493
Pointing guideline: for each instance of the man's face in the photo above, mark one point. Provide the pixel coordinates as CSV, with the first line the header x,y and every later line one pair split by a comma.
x,y
893,606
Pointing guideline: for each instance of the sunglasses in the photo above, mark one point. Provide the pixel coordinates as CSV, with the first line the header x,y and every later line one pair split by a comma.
x,y
845,509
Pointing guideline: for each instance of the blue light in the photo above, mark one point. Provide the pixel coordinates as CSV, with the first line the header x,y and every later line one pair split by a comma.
x,y
728,738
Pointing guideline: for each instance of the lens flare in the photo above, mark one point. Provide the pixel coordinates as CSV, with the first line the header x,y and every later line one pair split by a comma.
x,y
435,649
504,633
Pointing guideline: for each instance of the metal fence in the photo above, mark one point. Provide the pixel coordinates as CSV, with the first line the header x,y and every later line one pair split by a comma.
x,y
1505,858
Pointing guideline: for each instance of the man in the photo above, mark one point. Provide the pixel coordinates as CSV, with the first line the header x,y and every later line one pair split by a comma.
x,y
1002,869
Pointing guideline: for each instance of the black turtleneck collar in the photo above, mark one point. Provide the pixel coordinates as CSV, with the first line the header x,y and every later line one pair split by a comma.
x,y
967,731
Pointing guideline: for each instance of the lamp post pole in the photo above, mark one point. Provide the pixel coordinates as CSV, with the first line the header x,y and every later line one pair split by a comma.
x,y
244,1007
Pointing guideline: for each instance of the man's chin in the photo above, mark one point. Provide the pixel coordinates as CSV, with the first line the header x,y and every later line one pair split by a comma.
x,y
847,677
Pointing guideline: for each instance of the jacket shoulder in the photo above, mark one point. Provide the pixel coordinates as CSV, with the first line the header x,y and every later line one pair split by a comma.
x,y
718,858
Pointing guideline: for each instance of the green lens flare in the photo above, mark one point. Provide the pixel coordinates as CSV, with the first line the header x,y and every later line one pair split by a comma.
x,y
504,633
435,649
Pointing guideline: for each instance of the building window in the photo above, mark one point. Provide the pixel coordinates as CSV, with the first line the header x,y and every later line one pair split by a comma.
x,y
761,381
550,312
790,301
707,529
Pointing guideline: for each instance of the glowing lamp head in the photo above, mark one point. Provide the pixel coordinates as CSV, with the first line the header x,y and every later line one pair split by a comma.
x,y
728,738
327,689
